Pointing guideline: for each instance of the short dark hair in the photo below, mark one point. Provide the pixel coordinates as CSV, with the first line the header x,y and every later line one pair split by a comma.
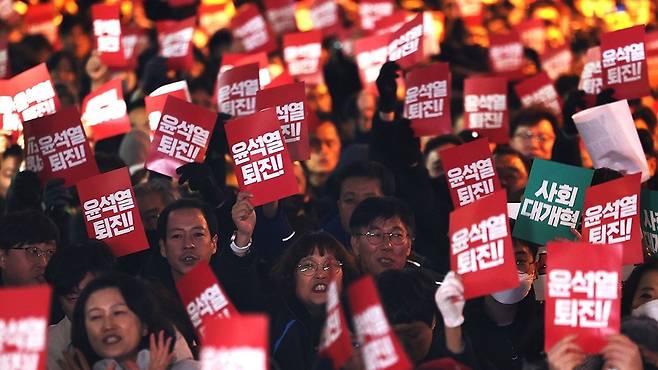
x,y
139,299
407,296
438,141
647,115
370,170
508,150
69,265
283,273
162,187
530,117
13,151
632,283
372,209
187,203
27,227
605,174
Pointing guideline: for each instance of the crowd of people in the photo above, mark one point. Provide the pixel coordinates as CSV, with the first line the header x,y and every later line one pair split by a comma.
x,y
372,199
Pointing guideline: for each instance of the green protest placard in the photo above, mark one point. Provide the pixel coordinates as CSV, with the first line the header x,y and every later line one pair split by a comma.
x,y
649,219
552,202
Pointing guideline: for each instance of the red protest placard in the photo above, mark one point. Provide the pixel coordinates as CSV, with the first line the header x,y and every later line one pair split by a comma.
x,y
204,299
214,16
612,215
130,37
107,34
238,343
583,290
283,79
623,62
557,62
230,61
591,79
506,55
539,90
370,11
427,102
262,162
406,44
182,136
481,247
40,19
24,327
250,28
175,41
533,34
4,58
154,103
11,120
110,214
104,110
289,102
236,90
485,108
470,172
370,54
324,16
281,15
56,147
301,52
34,94
379,346
335,341
391,23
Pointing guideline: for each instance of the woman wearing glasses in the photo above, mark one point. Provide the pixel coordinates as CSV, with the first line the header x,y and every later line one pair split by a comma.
x,y
302,275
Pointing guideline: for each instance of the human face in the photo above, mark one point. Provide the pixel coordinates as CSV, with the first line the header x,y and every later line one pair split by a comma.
x,y
311,289
433,161
68,301
534,141
325,149
525,260
352,191
376,257
25,264
8,169
150,206
647,289
114,331
188,241
512,172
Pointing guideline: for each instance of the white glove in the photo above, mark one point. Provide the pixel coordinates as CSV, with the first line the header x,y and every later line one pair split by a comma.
x,y
450,300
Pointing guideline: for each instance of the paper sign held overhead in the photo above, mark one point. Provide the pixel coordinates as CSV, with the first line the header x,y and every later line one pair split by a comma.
x,y
281,16
56,147
371,53
591,80
301,52
611,215
427,102
470,172
552,202
623,62
506,55
335,340
110,212
104,110
370,11
289,102
107,33
262,162
481,247
154,103
182,136
236,90
230,61
406,44
175,41
33,93
539,90
611,138
250,28
485,108
583,291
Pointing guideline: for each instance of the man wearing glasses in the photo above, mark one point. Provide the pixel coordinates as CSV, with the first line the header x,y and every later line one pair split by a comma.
x,y
382,233
533,133
28,239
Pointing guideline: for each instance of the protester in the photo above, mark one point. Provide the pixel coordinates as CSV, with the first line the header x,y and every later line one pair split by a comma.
x,y
533,133
302,277
116,322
